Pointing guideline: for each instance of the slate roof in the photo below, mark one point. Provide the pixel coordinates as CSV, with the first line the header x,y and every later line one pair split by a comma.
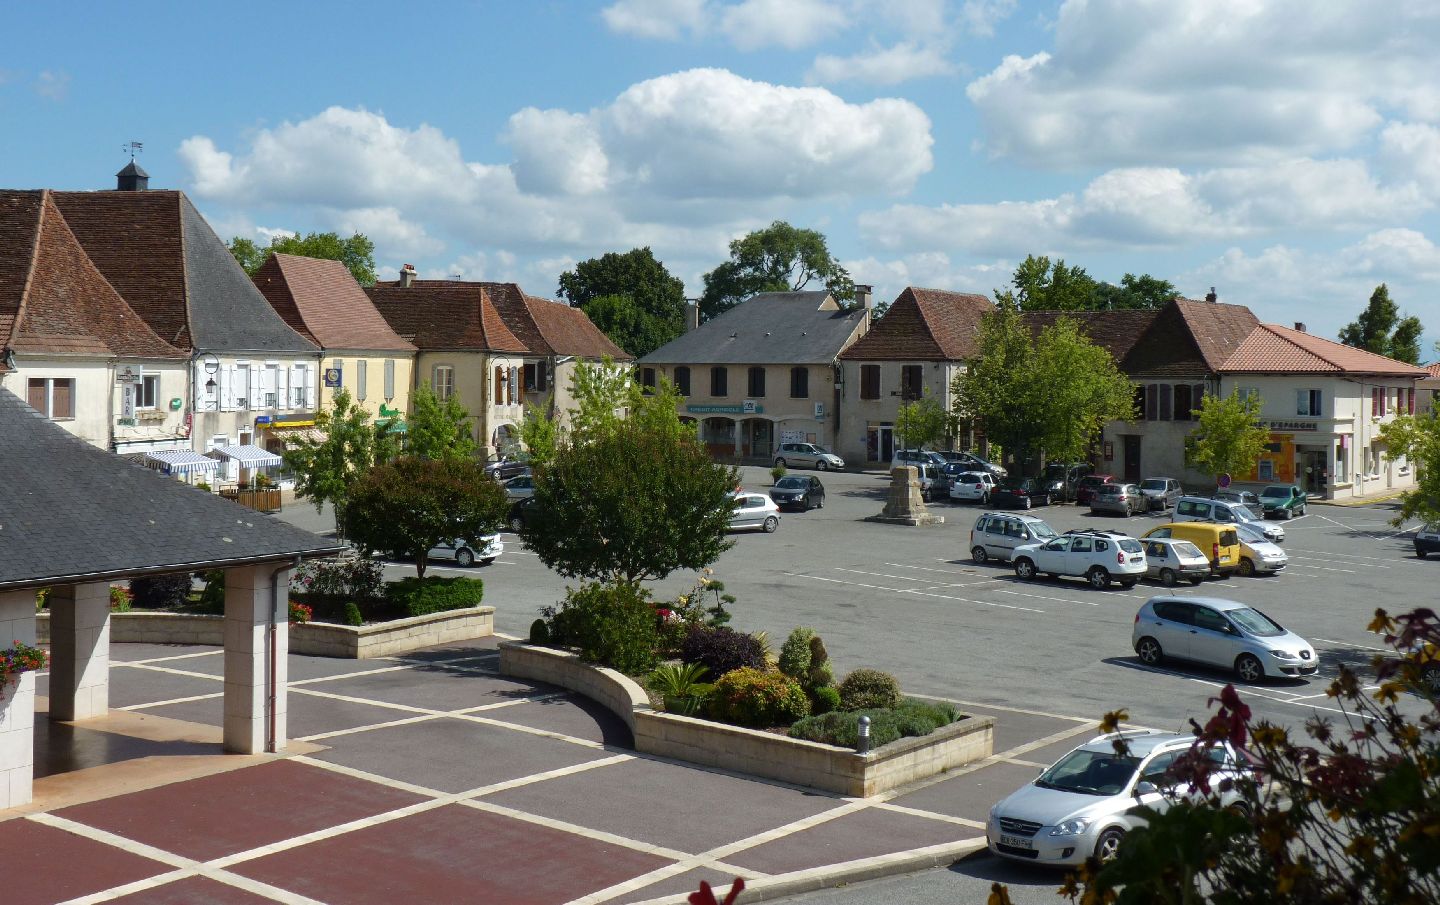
x,y
568,331
320,300
171,268
1273,349
769,328
924,325
110,519
445,315
52,297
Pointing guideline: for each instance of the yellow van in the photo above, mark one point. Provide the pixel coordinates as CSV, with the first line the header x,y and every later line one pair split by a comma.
x,y
1217,540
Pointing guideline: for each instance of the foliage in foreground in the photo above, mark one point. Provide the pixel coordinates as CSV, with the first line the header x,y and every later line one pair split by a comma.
x,y
1417,438
757,698
611,625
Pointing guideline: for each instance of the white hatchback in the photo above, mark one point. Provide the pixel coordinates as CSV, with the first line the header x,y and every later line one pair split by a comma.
x,y
972,486
754,510
466,554
1100,556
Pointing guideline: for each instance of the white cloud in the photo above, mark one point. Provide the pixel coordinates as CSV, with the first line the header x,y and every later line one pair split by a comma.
x,y
981,16
557,153
883,65
53,85
664,20
791,24
388,227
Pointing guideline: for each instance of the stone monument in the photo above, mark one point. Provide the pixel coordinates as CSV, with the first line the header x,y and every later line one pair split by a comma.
x,y
904,505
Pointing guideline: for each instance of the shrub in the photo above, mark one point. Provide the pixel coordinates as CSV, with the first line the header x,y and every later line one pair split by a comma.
x,y
822,673
436,595
356,578
680,687
353,616
720,650
612,625
842,727
300,613
158,592
869,688
914,717
752,697
825,699
777,473
539,632
795,654
119,599
202,485
42,600
212,599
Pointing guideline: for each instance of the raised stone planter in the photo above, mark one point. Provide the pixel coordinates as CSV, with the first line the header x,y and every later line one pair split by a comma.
x,y
804,763
385,639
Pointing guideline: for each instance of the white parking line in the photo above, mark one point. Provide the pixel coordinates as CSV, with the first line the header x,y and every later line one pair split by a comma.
x,y
915,591
1383,650
1301,565
1365,559
1043,597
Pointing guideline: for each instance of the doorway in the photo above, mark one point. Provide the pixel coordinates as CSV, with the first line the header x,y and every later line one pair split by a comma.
x,y
880,443
1313,470
1132,458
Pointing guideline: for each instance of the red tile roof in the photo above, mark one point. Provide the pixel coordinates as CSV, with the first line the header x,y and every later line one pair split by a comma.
x,y
1273,349
1217,328
924,325
568,331
321,300
445,314
1434,369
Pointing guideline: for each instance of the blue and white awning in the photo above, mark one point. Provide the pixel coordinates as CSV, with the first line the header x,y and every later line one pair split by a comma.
x,y
179,461
248,455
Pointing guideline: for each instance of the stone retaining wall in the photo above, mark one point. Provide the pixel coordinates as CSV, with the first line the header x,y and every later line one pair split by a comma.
x,y
805,763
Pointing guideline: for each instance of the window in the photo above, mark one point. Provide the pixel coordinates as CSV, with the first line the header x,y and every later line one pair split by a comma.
x,y
535,377
755,383
1266,471
1307,402
1377,402
647,378
242,387
53,397
1184,401
799,383
869,381
911,377
719,381
147,394
682,380
443,382
1081,545
361,373
1409,401
299,386
270,386
1165,397
389,379
1207,618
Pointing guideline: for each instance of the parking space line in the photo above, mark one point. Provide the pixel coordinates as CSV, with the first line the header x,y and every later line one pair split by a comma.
x,y
884,575
1043,597
1383,650
1378,559
913,591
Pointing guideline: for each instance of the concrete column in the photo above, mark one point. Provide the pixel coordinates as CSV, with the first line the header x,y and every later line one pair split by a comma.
x,y
79,651
255,673
17,704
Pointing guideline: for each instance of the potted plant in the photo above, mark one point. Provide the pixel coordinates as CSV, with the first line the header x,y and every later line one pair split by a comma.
x,y
17,659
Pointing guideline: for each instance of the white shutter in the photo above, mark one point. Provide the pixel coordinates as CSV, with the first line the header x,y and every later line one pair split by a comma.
x,y
513,396
297,385
282,387
309,387
361,376
257,393
227,399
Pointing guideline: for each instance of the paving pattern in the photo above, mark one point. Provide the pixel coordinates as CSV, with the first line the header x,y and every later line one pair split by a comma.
x,y
431,778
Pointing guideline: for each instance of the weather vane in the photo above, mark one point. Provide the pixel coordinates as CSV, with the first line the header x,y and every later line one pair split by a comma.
x,y
134,147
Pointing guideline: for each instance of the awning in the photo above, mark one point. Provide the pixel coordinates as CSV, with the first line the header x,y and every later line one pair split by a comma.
x,y
294,434
178,461
247,455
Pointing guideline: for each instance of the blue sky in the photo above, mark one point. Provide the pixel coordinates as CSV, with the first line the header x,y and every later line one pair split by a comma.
x,y
1286,153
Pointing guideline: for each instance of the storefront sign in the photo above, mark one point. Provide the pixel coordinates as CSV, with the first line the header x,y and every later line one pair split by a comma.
x,y
332,377
1293,425
749,408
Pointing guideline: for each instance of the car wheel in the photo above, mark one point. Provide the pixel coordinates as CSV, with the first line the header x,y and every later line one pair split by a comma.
x,y
1099,579
1195,580
1247,567
822,465
1249,668
1431,677
1027,503
1149,651
1167,577
1302,509
464,558
820,504
1024,569
771,523
779,463
486,562
1108,845
1420,553
1128,584
979,555
516,523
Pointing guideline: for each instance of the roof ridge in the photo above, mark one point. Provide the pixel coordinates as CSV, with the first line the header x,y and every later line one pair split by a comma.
x,y
30,265
1289,334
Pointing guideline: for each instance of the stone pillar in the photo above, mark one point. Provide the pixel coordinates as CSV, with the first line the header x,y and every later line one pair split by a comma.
x,y
79,651
254,677
17,704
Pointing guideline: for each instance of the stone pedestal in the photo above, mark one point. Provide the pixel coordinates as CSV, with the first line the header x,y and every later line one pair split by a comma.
x,y
17,704
79,651
256,648
904,505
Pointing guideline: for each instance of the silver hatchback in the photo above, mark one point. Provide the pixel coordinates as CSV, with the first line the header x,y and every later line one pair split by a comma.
x,y
1219,632
807,455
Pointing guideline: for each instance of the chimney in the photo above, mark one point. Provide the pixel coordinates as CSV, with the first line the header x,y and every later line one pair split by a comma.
x,y
407,276
1210,296
132,178
864,295
692,315
1300,327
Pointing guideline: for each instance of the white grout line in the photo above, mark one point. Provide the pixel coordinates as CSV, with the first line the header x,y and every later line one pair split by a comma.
x,y
928,815
113,840
577,830
336,733
193,697
203,653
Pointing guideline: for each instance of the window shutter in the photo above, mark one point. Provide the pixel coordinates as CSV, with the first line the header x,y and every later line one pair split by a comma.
x,y
513,387
309,378
499,385
1152,402
1410,403
36,395
61,399
1165,397
389,379
257,401
227,396
361,369
541,373
282,387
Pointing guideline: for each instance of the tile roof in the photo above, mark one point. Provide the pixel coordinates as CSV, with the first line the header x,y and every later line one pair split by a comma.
x,y
770,328
445,314
53,299
1434,370
171,268
1273,349
1218,328
924,325
568,331
1117,332
320,300
109,519
1188,339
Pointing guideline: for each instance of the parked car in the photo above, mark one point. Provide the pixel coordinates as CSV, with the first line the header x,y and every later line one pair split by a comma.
x,y
1427,540
1120,499
1221,543
1021,493
1282,501
520,487
504,467
754,510
1100,556
1063,480
917,457
800,491
1168,559
485,551
997,534
523,513
1202,509
808,455
971,486
1085,803
1085,488
1161,493
1257,555
970,462
1248,498
1222,633
933,481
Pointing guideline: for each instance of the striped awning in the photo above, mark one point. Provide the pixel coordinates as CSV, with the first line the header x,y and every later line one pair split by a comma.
x,y
247,455
294,434
174,461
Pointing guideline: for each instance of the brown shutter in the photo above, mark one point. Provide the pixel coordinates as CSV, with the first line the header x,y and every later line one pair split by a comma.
x,y
499,386
61,394
36,396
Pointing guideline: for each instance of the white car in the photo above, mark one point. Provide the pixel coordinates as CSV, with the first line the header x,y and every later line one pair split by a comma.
x,y
792,455
1100,556
972,486
520,487
1258,556
754,510
466,554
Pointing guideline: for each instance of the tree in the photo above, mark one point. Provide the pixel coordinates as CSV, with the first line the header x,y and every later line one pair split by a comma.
x,y
1040,285
603,392
410,505
438,430
1133,292
357,252
1381,330
1229,438
326,469
1083,389
922,422
540,433
631,297
1417,438
778,258
997,387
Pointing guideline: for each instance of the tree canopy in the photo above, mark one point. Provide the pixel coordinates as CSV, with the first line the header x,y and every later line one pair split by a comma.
x,y
1381,329
778,258
436,429
326,469
922,422
1040,284
631,297
357,252
1229,438
1417,438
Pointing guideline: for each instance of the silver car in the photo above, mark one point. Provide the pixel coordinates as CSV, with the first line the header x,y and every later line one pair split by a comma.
x,y
1120,499
1086,802
1161,493
485,551
520,487
1257,555
997,534
754,510
1222,633
1203,509
1169,559
808,455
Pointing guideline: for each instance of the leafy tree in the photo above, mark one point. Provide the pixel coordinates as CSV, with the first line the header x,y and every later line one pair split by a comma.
x,y
1381,330
603,393
1417,438
357,252
1083,389
997,388
878,310
412,504
1405,341
1042,285
631,297
778,258
326,469
920,423
1229,438
438,430
1143,291
540,433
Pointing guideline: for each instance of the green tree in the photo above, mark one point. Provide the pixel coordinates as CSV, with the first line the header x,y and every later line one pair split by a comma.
x,y
325,470
1417,438
436,429
922,422
778,258
997,388
1381,330
357,252
1042,285
1083,389
603,392
410,505
631,297
1229,437
1133,292
540,433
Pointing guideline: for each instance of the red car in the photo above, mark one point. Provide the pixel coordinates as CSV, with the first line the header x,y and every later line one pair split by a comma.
x,y
1085,490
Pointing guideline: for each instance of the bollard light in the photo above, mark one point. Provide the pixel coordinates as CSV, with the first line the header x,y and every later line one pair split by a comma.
x,y
862,744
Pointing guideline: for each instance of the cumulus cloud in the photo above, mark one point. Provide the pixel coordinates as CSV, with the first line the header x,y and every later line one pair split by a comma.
x,y
791,24
665,20
902,62
557,152
981,16
53,85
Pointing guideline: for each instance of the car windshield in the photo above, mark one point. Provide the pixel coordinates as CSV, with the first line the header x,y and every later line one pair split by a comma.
x,y
1090,773
1250,532
1129,545
1243,513
1280,491
821,450
791,483
1152,484
1040,529
1255,622
1185,548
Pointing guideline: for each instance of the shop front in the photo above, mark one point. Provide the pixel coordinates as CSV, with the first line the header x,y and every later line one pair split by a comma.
x,y
1300,453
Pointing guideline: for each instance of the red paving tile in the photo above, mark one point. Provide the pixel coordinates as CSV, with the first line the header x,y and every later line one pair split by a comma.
x,y
238,810
40,864
193,891
863,834
454,854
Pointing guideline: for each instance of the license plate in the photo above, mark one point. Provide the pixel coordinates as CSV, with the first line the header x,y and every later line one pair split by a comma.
x,y
1137,559
1016,842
